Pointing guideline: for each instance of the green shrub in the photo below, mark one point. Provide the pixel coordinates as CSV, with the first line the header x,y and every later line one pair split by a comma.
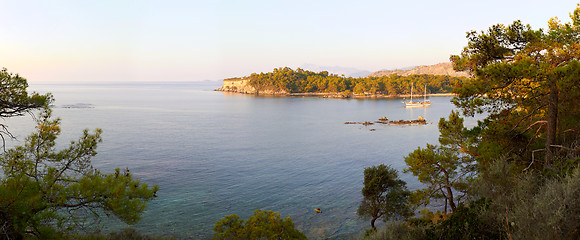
x,y
466,223
552,212
531,205
262,225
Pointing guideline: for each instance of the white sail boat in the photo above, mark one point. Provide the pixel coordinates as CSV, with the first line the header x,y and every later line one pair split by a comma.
x,y
412,103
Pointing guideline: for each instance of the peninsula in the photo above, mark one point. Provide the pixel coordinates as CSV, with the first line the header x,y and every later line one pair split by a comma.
x,y
288,82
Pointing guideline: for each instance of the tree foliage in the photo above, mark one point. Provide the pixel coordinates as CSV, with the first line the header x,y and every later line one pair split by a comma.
x,y
521,161
385,195
262,225
303,81
445,169
15,100
47,192
466,223
528,82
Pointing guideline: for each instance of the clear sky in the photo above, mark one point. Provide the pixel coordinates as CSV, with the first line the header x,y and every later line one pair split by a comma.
x,y
171,40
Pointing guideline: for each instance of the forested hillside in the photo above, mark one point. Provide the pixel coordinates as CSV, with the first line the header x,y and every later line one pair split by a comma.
x,y
303,81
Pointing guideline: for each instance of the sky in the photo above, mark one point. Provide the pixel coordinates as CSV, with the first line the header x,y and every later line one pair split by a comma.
x,y
171,40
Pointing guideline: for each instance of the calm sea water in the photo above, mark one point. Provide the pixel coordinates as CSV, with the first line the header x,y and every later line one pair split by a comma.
x,y
214,154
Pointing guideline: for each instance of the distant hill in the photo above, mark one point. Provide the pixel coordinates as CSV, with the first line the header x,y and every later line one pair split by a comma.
x,y
346,71
437,69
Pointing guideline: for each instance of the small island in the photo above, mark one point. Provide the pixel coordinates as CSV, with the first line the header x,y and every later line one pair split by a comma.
x,y
384,84
383,120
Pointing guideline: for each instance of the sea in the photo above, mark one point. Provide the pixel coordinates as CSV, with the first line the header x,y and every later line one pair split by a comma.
x,y
214,154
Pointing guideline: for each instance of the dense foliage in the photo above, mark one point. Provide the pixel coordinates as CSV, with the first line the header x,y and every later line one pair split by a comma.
x,y
527,81
519,168
465,223
303,81
262,225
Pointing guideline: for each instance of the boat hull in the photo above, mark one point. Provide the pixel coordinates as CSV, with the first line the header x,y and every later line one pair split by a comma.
x,y
416,104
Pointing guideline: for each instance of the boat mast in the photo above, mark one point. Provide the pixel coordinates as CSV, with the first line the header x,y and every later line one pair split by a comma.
x,y
425,95
411,92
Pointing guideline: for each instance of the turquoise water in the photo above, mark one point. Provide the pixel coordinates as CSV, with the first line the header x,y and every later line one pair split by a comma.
x,y
214,154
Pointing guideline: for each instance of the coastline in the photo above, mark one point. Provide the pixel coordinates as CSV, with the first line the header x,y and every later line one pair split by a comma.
x,y
329,95
243,86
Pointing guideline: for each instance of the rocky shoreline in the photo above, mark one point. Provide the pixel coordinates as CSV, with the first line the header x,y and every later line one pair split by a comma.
x,y
385,121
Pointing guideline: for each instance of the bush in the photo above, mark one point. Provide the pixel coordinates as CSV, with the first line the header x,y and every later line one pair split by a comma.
x,y
552,212
466,223
530,205
262,225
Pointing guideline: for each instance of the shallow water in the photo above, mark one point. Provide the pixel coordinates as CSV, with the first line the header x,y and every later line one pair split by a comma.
x,y
214,154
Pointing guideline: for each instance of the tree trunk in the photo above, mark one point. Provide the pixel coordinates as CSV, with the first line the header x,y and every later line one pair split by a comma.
x,y
450,198
373,223
552,125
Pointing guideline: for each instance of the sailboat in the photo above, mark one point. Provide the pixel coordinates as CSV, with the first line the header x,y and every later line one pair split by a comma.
x,y
412,103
